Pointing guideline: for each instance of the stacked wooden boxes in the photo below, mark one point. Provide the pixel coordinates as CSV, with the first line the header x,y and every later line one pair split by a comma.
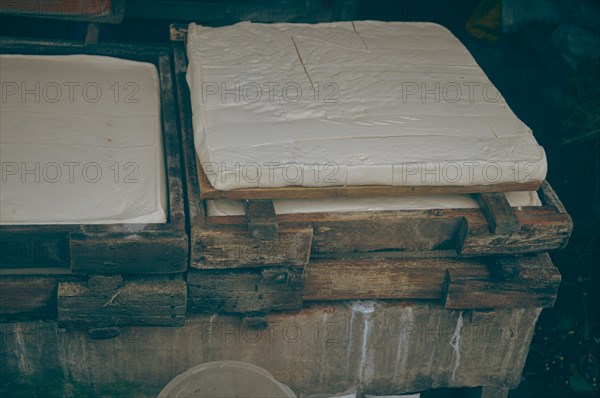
x,y
102,275
490,257
478,262
462,266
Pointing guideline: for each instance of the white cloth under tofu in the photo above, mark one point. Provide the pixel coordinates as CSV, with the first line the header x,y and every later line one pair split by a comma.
x,y
350,103
333,205
81,141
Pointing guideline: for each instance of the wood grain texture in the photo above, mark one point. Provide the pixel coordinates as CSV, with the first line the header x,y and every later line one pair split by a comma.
x,y
498,212
24,297
232,247
379,278
425,233
142,301
535,285
542,229
260,217
135,253
248,291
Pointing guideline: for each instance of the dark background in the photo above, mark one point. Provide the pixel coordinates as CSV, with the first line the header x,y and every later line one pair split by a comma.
x,y
545,63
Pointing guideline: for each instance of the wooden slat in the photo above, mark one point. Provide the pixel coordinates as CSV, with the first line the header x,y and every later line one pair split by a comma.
x,y
34,249
24,297
380,278
295,192
150,302
536,286
134,253
231,247
260,216
248,291
499,213
542,229
195,207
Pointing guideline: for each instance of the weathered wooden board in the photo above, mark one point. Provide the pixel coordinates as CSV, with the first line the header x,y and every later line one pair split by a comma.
x,y
379,278
106,248
498,212
148,301
230,246
260,217
122,253
248,291
32,249
475,282
542,230
534,284
31,296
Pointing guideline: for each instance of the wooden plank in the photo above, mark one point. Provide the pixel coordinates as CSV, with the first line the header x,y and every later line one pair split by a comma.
x,y
33,249
132,253
195,207
231,247
296,192
499,213
536,286
542,229
141,301
25,297
380,278
175,174
248,291
419,235
260,217
472,285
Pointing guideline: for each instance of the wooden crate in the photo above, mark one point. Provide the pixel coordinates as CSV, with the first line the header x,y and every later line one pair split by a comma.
x,y
263,238
115,248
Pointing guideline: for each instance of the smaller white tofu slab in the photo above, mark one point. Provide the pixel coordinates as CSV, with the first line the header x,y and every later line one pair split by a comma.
x,y
81,141
350,103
